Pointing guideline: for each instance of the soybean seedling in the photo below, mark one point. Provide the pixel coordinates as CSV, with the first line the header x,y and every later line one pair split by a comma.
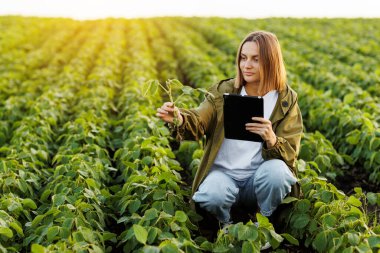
x,y
185,94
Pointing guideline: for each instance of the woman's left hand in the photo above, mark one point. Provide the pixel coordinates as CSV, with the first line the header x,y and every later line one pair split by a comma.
x,y
262,127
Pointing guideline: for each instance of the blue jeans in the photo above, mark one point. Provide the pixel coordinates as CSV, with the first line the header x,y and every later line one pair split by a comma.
x,y
267,187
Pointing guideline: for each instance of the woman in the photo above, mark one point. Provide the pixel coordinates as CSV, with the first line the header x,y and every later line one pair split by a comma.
x,y
244,172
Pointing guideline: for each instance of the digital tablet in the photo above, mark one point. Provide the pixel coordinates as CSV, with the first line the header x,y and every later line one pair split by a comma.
x,y
239,110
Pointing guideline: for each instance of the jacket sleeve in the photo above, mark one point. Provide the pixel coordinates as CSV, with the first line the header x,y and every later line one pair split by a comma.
x,y
288,132
196,122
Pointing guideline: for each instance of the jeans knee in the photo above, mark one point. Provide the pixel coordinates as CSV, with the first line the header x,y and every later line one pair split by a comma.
x,y
217,190
274,174
216,198
223,197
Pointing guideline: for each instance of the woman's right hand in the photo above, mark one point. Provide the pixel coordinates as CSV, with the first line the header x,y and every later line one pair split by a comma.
x,y
166,113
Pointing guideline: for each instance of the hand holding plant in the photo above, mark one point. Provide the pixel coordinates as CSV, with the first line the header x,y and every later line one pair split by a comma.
x,y
169,112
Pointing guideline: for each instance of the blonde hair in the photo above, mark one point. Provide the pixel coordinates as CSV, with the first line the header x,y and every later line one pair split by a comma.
x,y
272,68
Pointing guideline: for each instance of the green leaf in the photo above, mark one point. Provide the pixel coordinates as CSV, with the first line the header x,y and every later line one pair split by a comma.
x,y
151,87
375,158
37,220
353,238
67,223
288,199
165,236
140,233
262,220
323,161
348,250
174,227
303,205
329,220
358,190
150,249
134,205
45,195
70,206
108,236
159,194
6,232
29,204
36,248
17,228
58,199
313,226
88,234
187,90
247,247
320,242
78,237
246,232
372,198
52,232
349,98
147,160
43,155
151,214
180,216
174,84
275,239
326,196
96,249
170,248
64,233
354,201
301,221
220,248
207,246
355,211
353,137
374,144
290,239
91,182
152,234
374,241
168,207
164,131
363,248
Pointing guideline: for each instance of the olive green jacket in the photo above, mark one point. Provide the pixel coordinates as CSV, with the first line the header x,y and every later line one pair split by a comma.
x,y
207,120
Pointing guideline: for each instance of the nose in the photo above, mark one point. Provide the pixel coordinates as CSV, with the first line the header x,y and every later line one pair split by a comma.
x,y
248,64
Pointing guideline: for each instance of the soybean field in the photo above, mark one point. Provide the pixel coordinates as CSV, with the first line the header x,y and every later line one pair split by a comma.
x,y
86,166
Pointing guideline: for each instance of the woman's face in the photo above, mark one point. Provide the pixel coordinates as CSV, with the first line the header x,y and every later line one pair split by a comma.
x,y
249,62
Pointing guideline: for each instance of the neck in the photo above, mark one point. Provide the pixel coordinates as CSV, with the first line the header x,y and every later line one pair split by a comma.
x,y
252,89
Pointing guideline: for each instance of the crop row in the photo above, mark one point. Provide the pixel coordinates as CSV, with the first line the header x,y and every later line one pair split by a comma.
x,y
148,202
18,105
75,214
17,63
37,146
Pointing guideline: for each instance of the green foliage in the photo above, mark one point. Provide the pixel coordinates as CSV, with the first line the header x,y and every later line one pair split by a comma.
x,y
86,167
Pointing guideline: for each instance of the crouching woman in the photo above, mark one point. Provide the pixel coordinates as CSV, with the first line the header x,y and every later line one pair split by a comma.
x,y
252,174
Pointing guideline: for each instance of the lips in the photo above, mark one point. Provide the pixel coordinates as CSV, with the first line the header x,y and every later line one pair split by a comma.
x,y
248,73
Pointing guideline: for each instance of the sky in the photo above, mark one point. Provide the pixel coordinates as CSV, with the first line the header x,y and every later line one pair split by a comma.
x,y
95,9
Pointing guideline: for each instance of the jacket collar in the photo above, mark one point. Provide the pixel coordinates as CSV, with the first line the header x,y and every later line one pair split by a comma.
x,y
282,106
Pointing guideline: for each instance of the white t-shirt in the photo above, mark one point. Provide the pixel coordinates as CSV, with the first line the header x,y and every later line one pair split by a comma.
x,y
240,159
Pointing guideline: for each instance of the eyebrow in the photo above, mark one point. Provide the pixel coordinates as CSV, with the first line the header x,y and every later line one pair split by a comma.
x,y
255,55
